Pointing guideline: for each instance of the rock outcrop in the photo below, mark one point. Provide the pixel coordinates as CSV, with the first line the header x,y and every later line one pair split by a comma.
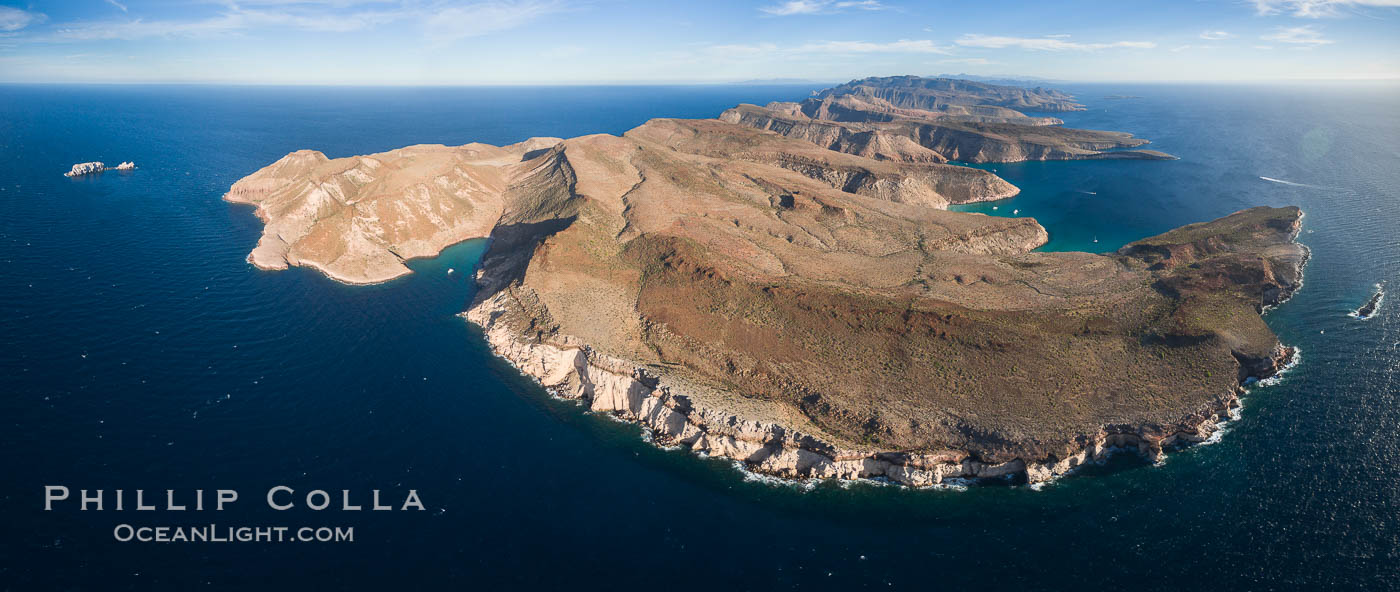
x,y
88,168
809,312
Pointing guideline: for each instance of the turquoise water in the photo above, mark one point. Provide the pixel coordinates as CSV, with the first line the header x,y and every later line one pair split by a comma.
x,y
141,351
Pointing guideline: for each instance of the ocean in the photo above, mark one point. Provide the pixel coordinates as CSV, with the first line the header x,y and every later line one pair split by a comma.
x,y
141,351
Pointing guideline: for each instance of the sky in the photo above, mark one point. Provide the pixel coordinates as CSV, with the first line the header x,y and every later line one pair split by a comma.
x,y
433,42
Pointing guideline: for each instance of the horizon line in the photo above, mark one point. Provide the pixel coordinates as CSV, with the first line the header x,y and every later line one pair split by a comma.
x,y
746,82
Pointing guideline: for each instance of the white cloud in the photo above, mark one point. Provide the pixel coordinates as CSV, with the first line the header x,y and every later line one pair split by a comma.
x,y
1263,47
473,20
1318,8
14,19
1306,36
119,5
142,29
227,24
741,50
901,46
562,52
335,22
793,7
910,46
1045,43
439,21
1215,35
339,4
968,61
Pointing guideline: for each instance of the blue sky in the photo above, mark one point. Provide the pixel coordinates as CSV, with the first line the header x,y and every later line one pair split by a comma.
x,y
614,41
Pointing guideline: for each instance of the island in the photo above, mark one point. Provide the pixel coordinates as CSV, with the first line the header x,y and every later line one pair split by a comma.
x,y
88,168
784,286
1368,310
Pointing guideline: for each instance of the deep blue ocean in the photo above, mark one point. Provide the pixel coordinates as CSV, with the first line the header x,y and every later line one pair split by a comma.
x,y
138,350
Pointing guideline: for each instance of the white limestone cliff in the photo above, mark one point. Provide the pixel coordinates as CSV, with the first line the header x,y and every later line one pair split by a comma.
x,y
610,385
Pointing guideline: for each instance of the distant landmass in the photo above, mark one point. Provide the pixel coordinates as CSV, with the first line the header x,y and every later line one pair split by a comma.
x,y
784,286
1009,80
914,119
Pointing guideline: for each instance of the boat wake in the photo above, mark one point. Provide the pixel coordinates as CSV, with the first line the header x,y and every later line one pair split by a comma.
x,y
1368,310
1283,182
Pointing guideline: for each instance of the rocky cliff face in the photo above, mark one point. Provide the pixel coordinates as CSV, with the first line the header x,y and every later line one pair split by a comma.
x,y
809,312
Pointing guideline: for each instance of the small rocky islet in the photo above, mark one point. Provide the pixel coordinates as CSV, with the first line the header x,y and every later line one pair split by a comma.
x,y
784,286
1368,310
94,167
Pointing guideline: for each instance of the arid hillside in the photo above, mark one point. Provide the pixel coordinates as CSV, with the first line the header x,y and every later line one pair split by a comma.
x,y
802,300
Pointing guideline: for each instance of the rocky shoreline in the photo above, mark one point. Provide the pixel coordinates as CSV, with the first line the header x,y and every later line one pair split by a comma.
x,y
670,417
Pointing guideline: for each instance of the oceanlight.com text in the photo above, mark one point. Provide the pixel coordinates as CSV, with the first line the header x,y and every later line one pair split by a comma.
x,y
213,533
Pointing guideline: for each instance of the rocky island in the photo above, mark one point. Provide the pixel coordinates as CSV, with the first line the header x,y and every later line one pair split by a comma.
x,y
1368,310
88,168
783,285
